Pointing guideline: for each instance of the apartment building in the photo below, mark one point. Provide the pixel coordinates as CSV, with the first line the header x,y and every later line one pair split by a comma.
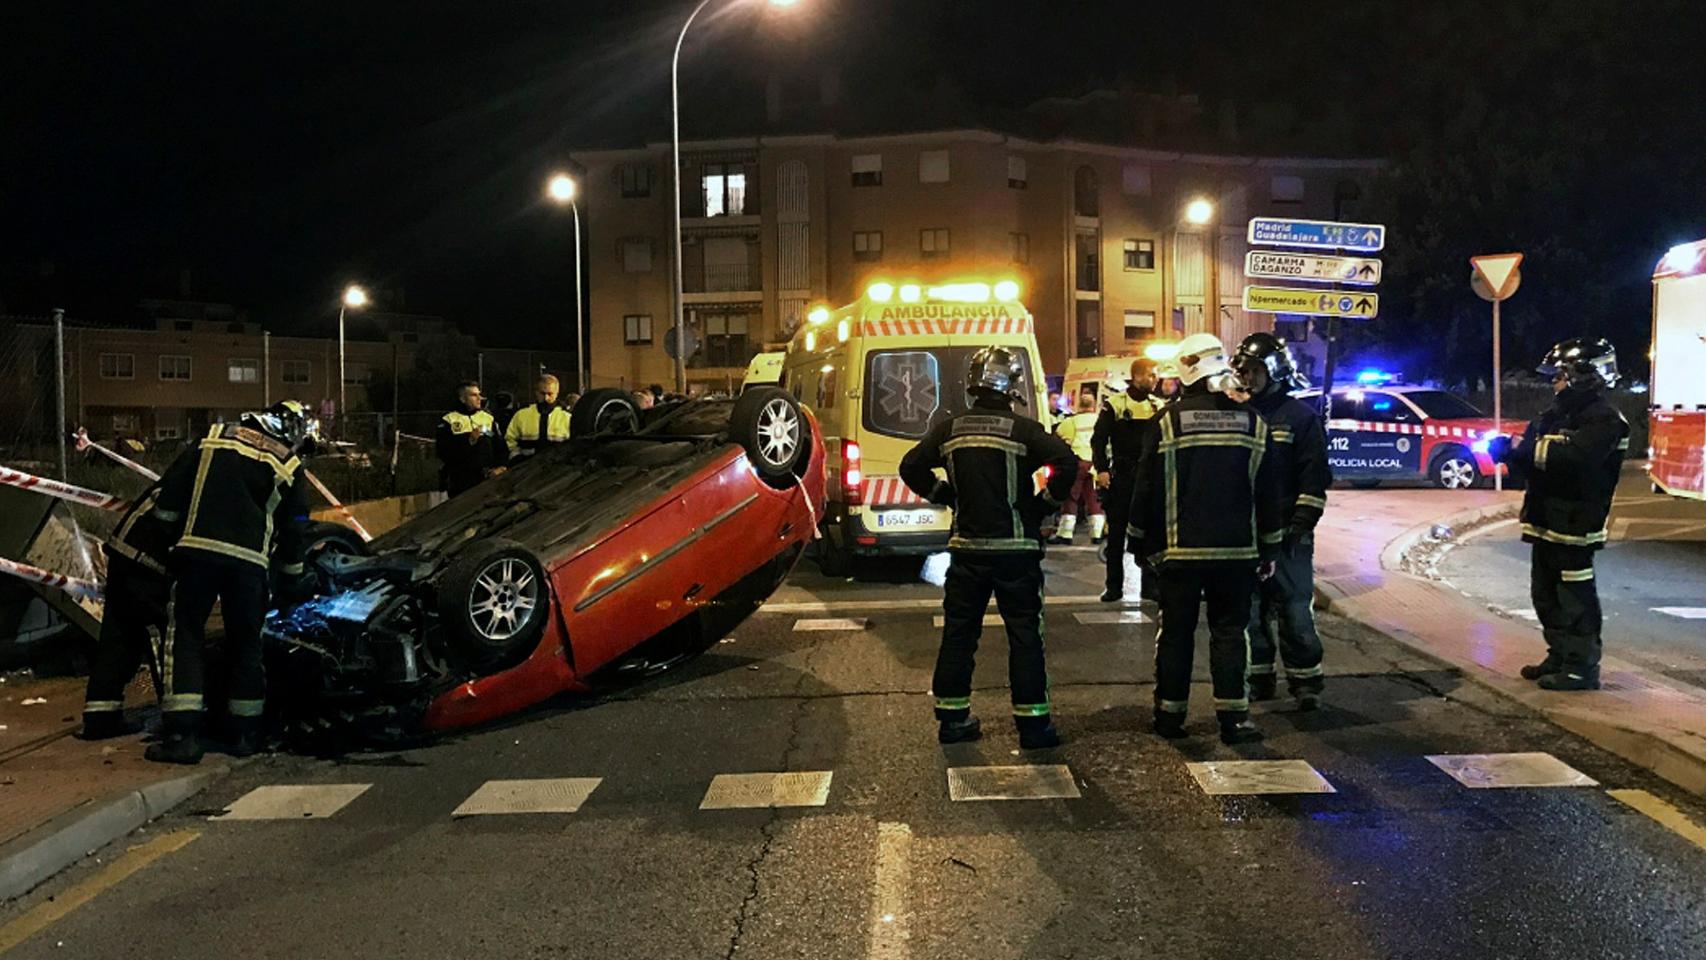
x,y
773,225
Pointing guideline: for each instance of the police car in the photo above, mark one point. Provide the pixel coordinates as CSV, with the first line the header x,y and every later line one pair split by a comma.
x,y
1387,431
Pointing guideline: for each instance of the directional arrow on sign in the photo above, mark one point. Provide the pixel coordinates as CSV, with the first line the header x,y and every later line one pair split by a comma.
x,y
1497,270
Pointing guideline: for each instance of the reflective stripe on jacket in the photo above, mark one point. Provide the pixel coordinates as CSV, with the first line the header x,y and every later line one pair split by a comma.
x,y
523,434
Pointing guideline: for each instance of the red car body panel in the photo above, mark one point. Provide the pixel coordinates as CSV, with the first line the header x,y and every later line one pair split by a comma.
x,y
688,545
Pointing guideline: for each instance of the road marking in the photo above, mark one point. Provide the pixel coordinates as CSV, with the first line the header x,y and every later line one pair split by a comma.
x,y
737,791
1487,771
47,913
1682,613
1246,777
293,802
564,795
1668,816
989,620
888,894
1011,783
1112,616
920,603
831,623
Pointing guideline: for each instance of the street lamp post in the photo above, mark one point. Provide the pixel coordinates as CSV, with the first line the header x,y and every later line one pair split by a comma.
x,y
563,189
675,195
354,299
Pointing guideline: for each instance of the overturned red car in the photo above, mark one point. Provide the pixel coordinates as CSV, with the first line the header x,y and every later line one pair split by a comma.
x,y
671,522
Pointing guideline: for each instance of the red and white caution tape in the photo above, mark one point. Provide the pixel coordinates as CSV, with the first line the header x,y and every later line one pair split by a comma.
x,y
71,585
61,490
84,443
338,506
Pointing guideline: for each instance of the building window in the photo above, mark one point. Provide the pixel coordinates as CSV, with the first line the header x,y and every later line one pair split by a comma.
x,y
126,424
867,245
1016,172
726,340
724,187
357,373
1286,190
168,431
118,366
298,372
1134,180
1139,324
174,368
1021,247
867,170
636,180
637,255
1140,254
933,243
243,371
933,166
637,329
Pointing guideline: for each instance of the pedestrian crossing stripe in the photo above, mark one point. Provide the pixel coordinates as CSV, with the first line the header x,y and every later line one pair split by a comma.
x,y
1253,777
563,795
293,802
1481,771
734,791
805,625
1026,782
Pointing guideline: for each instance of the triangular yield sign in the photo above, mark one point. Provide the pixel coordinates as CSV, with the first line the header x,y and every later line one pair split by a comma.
x,y
1496,269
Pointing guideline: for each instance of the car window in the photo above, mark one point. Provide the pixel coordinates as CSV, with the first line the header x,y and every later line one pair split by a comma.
x,y
1381,407
1349,405
1444,406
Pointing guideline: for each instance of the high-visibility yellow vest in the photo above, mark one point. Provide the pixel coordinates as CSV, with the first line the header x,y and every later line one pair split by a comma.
x,y
523,434
1076,430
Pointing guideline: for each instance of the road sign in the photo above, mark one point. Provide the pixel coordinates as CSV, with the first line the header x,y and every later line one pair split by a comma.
x,y
1311,268
1318,234
1321,303
1498,275
689,339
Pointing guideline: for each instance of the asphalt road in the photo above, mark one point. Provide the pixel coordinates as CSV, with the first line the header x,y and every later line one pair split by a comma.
x,y
1401,861
1651,575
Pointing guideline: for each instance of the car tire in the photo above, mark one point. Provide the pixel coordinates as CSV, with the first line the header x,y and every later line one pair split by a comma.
x,y
1363,484
321,538
769,424
1454,468
495,599
605,410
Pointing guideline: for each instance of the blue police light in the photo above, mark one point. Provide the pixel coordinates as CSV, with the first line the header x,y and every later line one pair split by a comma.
x,y
1373,376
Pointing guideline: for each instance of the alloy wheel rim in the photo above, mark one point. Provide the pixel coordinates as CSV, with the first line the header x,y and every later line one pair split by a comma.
x,y
778,432
1456,474
503,598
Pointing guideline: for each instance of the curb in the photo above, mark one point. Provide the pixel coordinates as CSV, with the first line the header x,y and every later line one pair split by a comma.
x,y
1659,751
37,856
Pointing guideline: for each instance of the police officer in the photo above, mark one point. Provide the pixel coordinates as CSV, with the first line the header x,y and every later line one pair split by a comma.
x,y
990,454
1206,508
468,443
542,423
1283,616
133,622
1126,419
239,488
1077,430
1570,458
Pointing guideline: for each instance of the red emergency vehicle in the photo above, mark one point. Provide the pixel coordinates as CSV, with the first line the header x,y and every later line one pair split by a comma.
x,y
1677,415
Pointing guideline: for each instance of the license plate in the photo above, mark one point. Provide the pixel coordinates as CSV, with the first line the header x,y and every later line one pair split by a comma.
x,y
905,519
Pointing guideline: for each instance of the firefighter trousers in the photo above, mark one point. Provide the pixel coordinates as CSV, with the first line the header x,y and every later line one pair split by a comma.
x,y
1283,619
132,625
1227,589
1116,501
1566,598
240,589
1016,582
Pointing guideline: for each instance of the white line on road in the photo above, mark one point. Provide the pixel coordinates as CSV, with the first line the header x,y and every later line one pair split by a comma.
x,y
889,933
1027,782
1482,771
1682,613
920,603
561,795
739,791
293,802
989,620
830,623
1111,616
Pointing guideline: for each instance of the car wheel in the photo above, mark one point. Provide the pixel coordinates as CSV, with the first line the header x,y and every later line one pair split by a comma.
x,y
321,538
1363,484
495,600
605,410
1454,469
769,424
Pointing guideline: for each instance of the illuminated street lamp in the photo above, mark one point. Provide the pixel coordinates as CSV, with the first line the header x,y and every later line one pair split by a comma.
x,y
563,189
354,299
680,328
1200,212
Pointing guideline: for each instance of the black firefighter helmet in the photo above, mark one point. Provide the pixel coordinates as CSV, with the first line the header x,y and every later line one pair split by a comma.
x,y
1271,353
996,371
288,422
1589,363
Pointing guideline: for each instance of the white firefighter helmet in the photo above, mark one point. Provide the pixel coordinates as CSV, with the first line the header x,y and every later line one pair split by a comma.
x,y
1202,355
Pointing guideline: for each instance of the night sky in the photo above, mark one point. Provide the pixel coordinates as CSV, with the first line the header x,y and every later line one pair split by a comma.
x,y
270,152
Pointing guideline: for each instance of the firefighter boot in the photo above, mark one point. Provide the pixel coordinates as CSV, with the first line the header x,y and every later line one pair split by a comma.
x,y
180,739
107,724
1064,529
1037,733
1236,729
1170,725
246,737
1307,693
1535,671
959,731
1098,527
1571,678
1263,686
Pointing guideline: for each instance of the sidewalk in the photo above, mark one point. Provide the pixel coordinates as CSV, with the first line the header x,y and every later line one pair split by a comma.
x,y
60,797
1361,551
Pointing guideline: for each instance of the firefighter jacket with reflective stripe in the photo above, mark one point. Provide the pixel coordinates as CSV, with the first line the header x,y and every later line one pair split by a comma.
x,y
1078,430
240,493
463,461
1126,419
1300,459
1206,489
990,454
144,535
523,434
1571,458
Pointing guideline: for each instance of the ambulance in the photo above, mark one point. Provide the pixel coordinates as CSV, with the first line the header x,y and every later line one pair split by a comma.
x,y
1676,456
878,374
765,370
1098,374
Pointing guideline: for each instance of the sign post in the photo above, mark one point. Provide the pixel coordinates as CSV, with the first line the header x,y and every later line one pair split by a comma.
x,y
1495,277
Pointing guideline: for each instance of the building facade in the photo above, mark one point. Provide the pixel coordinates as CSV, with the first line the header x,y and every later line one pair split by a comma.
x,y
774,225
